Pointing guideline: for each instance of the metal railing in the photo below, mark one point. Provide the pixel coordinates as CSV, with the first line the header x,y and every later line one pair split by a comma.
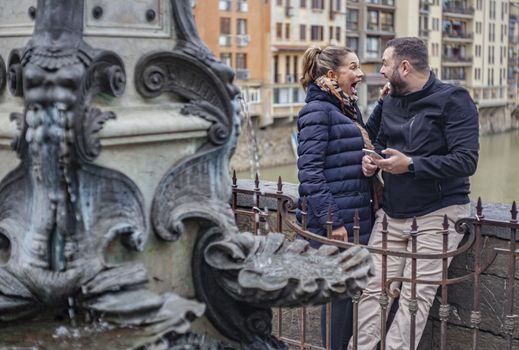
x,y
279,218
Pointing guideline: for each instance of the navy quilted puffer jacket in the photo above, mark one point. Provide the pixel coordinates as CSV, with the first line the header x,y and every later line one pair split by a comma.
x,y
330,170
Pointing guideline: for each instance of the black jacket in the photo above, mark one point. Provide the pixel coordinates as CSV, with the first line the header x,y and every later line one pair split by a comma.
x,y
330,170
438,128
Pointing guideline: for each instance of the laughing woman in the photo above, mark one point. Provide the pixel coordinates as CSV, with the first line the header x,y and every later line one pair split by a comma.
x,y
331,138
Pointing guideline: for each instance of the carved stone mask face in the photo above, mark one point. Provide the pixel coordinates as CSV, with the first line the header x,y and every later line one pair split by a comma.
x,y
46,88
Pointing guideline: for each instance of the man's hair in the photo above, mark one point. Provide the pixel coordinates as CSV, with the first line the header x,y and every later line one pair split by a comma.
x,y
411,49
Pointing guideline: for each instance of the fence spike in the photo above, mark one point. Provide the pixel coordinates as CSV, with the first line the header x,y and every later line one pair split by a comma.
x,y
479,208
514,212
256,181
445,222
234,178
356,218
330,214
280,185
384,223
414,226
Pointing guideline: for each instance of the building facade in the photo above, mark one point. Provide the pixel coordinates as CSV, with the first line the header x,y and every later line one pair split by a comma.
x,y
473,43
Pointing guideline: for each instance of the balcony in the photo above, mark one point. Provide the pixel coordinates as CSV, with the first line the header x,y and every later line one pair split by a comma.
x,y
381,3
513,39
456,60
423,33
490,96
353,26
243,6
242,40
458,11
224,40
224,5
457,36
242,74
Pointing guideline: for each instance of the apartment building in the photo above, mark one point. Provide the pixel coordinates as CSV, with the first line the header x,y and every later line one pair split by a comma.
x,y
295,26
238,33
472,43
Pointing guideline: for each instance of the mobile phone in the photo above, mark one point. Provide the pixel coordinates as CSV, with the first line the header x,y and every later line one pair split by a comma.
x,y
372,153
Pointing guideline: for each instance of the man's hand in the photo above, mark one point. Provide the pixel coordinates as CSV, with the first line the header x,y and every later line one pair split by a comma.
x,y
340,234
397,163
368,167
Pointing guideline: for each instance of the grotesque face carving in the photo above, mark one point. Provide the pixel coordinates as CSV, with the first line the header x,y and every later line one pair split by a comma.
x,y
44,87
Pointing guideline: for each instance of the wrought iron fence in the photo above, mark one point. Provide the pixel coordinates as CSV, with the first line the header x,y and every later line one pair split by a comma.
x,y
280,218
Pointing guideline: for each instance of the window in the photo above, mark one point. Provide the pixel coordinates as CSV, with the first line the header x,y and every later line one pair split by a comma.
x,y
252,95
372,47
226,58
479,4
225,25
276,69
316,33
241,61
279,2
302,4
330,33
372,20
225,31
279,30
352,20
338,34
302,32
436,24
296,68
287,31
352,43
317,4
477,51
386,21
478,27
241,26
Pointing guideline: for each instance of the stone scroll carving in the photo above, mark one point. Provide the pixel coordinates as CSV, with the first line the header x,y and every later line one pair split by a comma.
x,y
59,211
228,273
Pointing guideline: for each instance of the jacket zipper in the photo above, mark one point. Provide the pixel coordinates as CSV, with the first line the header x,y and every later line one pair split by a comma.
x,y
411,130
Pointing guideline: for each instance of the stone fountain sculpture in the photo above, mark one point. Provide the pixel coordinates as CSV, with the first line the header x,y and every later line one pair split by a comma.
x,y
63,209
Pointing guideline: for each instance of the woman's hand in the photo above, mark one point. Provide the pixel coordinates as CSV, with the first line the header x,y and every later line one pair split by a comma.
x,y
368,167
340,234
384,91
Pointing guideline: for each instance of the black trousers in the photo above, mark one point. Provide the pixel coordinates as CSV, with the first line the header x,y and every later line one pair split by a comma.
x,y
341,324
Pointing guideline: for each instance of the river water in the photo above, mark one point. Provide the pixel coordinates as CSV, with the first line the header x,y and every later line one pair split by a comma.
x,y
496,179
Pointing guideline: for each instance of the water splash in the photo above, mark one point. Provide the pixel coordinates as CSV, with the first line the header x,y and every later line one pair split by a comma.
x,y
251,133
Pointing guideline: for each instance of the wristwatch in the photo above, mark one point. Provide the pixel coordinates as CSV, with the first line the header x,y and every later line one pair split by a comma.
x,y
410,167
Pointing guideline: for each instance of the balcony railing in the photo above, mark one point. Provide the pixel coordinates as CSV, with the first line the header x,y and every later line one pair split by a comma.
x,y
224,5
352,26
242,40
242,74
457,35
225,40
463,10
424,33
456,58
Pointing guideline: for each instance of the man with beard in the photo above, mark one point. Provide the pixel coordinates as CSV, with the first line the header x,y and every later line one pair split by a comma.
x,y
430,139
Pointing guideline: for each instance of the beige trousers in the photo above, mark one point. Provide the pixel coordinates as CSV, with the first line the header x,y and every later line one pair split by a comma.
x,y
429,240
